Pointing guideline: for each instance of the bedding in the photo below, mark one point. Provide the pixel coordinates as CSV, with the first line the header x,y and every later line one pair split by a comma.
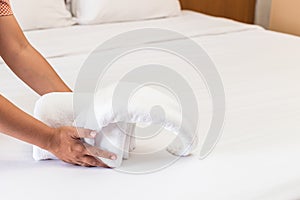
x,y
57,109
256,158
105,11
41,14
189,23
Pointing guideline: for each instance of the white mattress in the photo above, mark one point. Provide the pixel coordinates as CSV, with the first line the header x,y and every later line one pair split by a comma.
x,y
257,157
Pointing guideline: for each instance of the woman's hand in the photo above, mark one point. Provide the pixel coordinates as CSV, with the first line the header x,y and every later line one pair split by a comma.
x,y
66,144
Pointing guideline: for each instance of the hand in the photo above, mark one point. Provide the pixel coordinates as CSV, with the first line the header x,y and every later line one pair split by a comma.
x,y
66,145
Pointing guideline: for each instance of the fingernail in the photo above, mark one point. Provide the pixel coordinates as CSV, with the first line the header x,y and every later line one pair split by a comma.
x,y
113,157
93,134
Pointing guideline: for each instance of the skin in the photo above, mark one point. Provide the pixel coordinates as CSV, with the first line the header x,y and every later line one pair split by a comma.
x,y
30,66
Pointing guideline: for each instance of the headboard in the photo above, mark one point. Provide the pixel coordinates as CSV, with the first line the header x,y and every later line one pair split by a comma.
x,y
241,10
285,16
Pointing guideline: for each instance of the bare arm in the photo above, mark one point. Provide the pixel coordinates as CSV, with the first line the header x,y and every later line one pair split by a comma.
x,y
18,124
25,61
34,70
63,142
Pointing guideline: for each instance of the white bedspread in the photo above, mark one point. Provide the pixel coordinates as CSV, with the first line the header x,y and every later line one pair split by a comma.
x,y
257,157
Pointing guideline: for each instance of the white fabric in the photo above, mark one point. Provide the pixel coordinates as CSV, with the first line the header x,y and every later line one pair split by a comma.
x,y
87,38
109,109
256,158
68,4
41,14
57,109
104,11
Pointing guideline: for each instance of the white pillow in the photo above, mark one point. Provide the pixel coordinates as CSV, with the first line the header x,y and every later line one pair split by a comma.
x,y
104,11
41,14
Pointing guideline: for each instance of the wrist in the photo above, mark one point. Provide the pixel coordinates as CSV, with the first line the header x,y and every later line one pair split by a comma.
x,y
47,141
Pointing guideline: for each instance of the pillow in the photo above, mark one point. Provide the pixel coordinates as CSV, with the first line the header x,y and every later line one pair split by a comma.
x,y
105,11
41,14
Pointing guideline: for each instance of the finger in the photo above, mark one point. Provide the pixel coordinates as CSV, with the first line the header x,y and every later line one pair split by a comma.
x,y
78,163
84,164
86,133
93,162
96,152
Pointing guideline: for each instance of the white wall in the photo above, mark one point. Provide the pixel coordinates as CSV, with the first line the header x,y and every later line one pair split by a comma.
x,y
262,16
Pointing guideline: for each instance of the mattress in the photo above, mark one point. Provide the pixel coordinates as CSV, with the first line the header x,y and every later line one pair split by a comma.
x,y
256,157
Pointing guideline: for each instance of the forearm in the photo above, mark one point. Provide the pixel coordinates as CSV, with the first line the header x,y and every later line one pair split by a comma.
x,y
25,61
18,124
36,72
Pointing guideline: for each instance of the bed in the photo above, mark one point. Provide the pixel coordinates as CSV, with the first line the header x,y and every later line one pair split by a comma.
x,y
256,158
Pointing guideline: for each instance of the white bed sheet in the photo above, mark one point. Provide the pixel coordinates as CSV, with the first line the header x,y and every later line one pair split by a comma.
x,y
257,157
